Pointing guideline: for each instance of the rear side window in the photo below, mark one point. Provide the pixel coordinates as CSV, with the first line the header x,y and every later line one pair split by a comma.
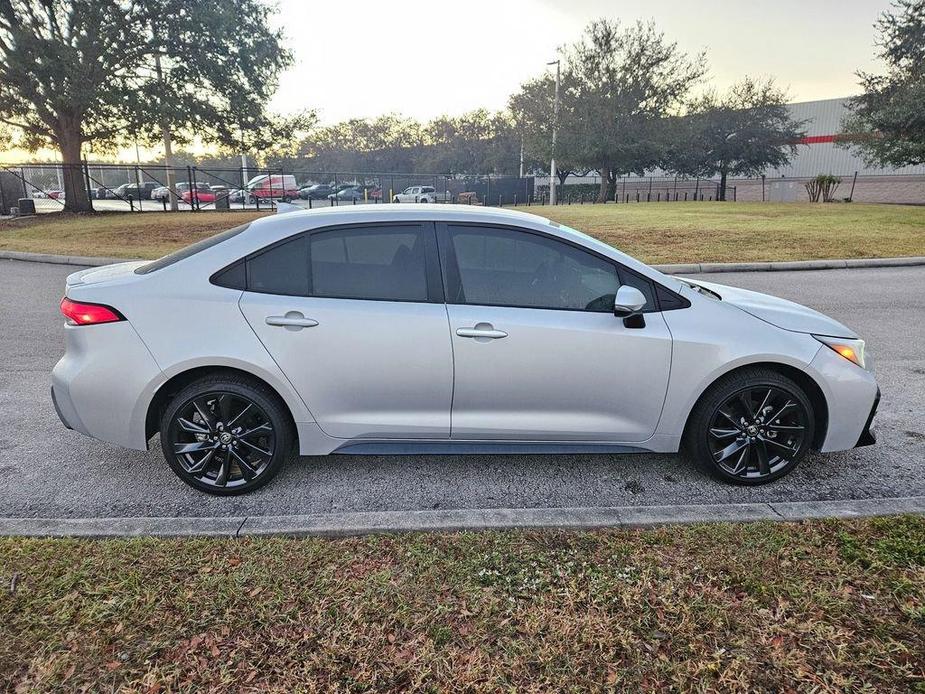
x,y
195,248
281,269
387,263
369,263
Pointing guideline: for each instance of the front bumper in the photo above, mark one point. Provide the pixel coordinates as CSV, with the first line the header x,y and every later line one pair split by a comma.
x,y
867,437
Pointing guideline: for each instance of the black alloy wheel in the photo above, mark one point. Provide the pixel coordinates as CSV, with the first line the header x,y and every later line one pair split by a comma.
x,y
225,437
752,428
757,432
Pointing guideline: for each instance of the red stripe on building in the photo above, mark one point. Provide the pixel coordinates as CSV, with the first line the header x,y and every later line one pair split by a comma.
x,y
816,139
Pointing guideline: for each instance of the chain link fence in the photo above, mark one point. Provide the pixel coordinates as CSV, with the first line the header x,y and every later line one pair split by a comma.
x,y
40,188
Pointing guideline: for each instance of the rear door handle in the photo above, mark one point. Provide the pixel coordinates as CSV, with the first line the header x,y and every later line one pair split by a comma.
x,y
484,330
293,320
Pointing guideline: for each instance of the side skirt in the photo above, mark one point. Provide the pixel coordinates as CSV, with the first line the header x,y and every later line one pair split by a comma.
x,y
484,447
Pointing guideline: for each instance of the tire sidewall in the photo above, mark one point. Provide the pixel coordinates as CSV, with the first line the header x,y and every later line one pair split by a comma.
x,y
723,392
266,402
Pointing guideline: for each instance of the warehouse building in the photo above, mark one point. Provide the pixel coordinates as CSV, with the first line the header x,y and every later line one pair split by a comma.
x,y
817,153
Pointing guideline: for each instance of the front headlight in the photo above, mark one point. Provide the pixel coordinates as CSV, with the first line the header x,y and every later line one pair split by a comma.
x,y
852,350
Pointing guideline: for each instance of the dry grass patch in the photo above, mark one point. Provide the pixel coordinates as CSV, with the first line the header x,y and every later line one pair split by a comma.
x,y
817,606
653,232
744,232
115,234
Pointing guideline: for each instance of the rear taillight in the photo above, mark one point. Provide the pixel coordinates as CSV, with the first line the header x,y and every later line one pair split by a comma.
x,y
80,313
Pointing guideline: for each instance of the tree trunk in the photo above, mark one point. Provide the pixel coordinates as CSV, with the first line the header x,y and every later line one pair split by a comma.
x,y
612,184
722,185
602,192
76,197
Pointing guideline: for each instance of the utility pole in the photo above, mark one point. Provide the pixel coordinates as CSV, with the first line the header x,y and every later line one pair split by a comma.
x,y
555,124
168,146
521,174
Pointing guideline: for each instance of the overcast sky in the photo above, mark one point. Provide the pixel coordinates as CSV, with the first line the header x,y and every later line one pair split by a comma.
x,y
364,58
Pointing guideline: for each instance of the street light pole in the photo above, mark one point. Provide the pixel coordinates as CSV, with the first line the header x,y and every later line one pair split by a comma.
x,y
555,124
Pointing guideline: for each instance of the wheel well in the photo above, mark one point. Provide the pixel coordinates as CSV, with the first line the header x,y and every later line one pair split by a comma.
x,y
802,379
178,382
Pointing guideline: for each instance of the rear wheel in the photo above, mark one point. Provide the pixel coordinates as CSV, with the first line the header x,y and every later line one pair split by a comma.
x,y
225,435
752,427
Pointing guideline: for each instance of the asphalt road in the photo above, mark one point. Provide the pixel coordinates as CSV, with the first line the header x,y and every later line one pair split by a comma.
x,y
47,471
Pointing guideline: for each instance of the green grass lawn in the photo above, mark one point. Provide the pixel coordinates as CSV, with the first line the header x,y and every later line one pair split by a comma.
x,y
741,232
653,232
816,606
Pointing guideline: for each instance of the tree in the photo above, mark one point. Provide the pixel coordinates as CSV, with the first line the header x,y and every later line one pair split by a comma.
x,y
101,72
887,122
475,142
741,133
618,85
532,110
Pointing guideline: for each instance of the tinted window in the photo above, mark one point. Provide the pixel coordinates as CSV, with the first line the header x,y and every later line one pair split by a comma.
x,y
510,268
190,250
282,269
370,263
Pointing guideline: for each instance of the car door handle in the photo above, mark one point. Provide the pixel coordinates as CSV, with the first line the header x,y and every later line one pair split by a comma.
x,y
478,331
293,320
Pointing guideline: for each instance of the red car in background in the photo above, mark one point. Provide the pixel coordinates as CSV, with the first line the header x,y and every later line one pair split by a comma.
x,y
201,193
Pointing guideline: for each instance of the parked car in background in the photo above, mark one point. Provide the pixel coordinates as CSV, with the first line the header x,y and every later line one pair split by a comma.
x,y
349,193
273,187
375,193
317,191
160,193
200,193
331,331
47,194
421,194
239,195
142,192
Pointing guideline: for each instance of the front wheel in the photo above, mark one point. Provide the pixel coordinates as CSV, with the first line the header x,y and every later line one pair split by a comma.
x,y
752,427
226,435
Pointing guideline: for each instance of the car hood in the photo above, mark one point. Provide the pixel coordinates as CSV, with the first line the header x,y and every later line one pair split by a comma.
x,y
779,312
95,275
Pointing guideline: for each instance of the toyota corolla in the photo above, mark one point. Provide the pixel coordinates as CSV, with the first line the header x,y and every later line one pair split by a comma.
x,y
443,330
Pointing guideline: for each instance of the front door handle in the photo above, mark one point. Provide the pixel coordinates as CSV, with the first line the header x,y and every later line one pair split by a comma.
x,y
482,330
293,320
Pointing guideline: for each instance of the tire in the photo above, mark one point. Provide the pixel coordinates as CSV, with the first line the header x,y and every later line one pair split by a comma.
x,y
750,450
395,199
224,460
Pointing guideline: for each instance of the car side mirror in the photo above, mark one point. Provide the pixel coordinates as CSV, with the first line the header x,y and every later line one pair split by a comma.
x,y
629,301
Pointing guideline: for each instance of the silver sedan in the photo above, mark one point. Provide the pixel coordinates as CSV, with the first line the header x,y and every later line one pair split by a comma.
x,y
445,329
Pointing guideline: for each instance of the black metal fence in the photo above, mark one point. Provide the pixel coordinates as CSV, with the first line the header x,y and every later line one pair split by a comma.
x,y
154,187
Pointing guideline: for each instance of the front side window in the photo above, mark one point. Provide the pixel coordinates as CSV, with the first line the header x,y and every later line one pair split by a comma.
x,y
504,267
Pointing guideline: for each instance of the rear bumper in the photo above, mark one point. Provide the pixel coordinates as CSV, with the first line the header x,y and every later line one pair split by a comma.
x,y
867,437
96,385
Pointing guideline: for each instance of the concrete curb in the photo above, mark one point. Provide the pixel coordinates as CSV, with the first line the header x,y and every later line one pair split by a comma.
x,y
697,268
362,523
82,261
671,269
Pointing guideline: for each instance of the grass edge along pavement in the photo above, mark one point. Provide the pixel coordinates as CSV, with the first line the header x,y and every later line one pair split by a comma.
x,y
825,605
667,233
